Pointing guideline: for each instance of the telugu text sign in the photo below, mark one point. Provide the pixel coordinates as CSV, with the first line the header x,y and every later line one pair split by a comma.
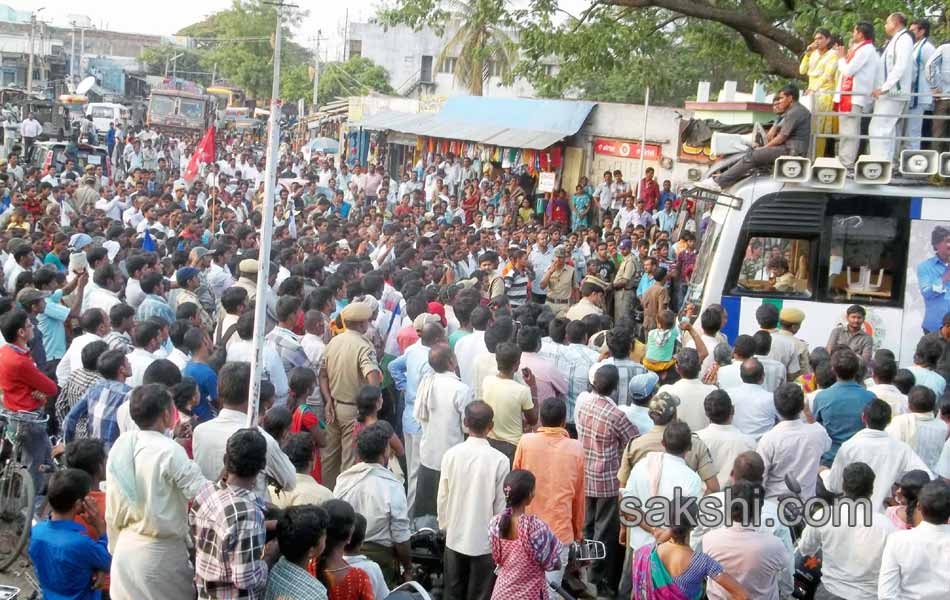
x,y
626,149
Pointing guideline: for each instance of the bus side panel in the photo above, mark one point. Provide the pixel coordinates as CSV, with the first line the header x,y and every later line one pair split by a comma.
x,y
924,272
882,323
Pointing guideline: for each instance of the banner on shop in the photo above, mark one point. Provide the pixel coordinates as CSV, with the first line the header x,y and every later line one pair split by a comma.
x,y
626,149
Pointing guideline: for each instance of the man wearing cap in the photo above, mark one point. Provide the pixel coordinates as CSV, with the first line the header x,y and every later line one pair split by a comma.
x,y
559,282
790,321
625,281
593,291
248,270
86,195
662,408
188,281
348,363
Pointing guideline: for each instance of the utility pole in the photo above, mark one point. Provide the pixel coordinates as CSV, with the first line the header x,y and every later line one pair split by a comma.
x,y
29,63
72,57
267,228
214,72
316,74
82,48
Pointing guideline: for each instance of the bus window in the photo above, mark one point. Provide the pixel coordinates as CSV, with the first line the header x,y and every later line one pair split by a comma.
x,y
776,266
865,259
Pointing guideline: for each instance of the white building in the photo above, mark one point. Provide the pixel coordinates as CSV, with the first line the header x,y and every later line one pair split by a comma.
x,y
410,58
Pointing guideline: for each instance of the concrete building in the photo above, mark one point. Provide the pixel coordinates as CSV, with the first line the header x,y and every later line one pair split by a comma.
x,y
410,58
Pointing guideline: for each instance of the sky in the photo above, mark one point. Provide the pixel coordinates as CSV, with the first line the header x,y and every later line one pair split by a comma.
x,y
165,17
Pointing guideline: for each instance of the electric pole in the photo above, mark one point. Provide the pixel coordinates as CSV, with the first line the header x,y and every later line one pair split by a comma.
x,y
29,64
316,74
267,227
72,57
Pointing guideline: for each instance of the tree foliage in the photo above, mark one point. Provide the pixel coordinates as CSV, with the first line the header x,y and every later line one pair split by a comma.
x,y
189,65
613,49
355,77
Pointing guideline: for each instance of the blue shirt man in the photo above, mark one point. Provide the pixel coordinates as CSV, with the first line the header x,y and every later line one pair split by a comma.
x,y
407,372
207,382
933,277
65,559
52,324
839,410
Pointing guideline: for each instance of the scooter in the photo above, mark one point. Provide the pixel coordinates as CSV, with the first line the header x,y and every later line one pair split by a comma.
x,y
807,575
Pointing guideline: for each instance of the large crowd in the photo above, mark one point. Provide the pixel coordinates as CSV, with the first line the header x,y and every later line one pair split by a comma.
x,y
443,346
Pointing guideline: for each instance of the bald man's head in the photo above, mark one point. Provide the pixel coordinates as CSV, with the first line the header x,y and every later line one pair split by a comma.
x,y
432,334
751,371
441,358
478,418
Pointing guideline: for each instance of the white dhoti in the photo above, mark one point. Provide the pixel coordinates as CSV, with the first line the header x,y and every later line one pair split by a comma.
x,y
849,128
412,465
914,126
147,568
887,112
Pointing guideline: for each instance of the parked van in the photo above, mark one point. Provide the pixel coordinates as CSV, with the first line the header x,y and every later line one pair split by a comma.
x,y
104,113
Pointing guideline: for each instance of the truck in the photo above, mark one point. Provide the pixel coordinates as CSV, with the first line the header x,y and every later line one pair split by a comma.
x,y
178,107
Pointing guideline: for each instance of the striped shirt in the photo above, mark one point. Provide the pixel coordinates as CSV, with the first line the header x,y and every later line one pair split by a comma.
x,y
516,287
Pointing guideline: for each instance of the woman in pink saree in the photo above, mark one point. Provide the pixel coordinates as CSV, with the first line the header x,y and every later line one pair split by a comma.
x,y
670,570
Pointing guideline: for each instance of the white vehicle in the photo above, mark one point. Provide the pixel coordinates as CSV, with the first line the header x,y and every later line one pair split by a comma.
x,y
875,240
104,113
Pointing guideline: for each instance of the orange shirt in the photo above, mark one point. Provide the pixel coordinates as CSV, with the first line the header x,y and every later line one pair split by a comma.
x,y
557,463
99,499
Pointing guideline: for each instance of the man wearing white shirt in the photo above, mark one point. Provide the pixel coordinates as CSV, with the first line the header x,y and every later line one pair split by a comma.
x,y
728,375
540,258
888,457
465,510
104,294
782,348
793,447
471,347
918,105
210,438
95,324
891,97
754,408
919,428
858,68
775,372
884,388
242,349
846,571
111,204
147,337
724,441
440,409
691,391
916,562
938,77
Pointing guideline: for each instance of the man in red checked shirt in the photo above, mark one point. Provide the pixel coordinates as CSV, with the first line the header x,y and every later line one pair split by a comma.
x,y
25,388
649,190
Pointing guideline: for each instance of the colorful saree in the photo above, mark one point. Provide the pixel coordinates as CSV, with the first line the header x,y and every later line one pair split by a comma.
x,y
651,580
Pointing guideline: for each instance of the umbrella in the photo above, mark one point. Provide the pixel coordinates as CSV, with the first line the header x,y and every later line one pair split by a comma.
x,y
324,144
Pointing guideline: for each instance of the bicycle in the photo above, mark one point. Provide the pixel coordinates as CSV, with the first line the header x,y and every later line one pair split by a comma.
x,y
17,493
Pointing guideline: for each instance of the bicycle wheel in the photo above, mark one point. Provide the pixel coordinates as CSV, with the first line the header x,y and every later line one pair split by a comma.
x,y
16,512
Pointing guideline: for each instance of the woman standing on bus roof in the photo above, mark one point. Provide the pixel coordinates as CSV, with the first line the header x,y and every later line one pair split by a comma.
x,y
821,66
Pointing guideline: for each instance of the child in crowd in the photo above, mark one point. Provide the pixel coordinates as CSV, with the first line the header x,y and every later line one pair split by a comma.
x,y
68,562
369,402
89,455
276,422
186,397
300,450
661,343
908,488
343,581
351,554
307,413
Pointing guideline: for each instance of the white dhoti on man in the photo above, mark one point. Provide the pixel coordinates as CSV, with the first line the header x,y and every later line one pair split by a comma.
x,y
150,569
849,128
883,125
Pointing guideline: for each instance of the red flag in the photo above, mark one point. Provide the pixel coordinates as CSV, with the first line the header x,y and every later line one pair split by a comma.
x,y
204,153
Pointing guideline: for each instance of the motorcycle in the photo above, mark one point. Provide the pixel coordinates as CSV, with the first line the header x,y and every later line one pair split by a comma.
x,y
807,575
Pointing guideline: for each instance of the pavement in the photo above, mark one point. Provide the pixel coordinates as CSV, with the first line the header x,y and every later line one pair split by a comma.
x,y
19,575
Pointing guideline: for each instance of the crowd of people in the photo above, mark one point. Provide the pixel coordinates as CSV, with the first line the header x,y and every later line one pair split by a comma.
x,y
442,346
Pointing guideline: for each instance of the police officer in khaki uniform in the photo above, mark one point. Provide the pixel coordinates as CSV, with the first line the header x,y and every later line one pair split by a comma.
x,y
559,281
593,292
625,282
349,363
790,321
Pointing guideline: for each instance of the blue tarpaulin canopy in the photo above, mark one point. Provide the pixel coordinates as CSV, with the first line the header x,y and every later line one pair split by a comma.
x,y
504,122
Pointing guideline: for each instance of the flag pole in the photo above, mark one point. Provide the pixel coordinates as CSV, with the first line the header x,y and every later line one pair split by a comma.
x,y
267,231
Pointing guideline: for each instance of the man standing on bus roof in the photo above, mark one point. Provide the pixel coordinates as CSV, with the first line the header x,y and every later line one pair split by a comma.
x,y
891,96
789,136
852,334
923,50
933,276
858,69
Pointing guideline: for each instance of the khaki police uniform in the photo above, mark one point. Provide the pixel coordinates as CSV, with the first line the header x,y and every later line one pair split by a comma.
x,y
561,285
625,296
348,360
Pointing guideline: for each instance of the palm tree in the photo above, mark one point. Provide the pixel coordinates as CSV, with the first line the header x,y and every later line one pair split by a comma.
x,y
479,44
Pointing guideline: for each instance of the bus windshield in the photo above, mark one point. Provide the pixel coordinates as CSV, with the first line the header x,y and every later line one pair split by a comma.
x,y
102,112
162,105
192,109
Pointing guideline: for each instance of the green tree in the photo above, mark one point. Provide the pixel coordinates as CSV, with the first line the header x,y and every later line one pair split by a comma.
x,y
355,77
239,42
480,40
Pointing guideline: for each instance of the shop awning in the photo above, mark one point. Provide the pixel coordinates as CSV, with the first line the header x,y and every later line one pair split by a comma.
x,y
504,122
